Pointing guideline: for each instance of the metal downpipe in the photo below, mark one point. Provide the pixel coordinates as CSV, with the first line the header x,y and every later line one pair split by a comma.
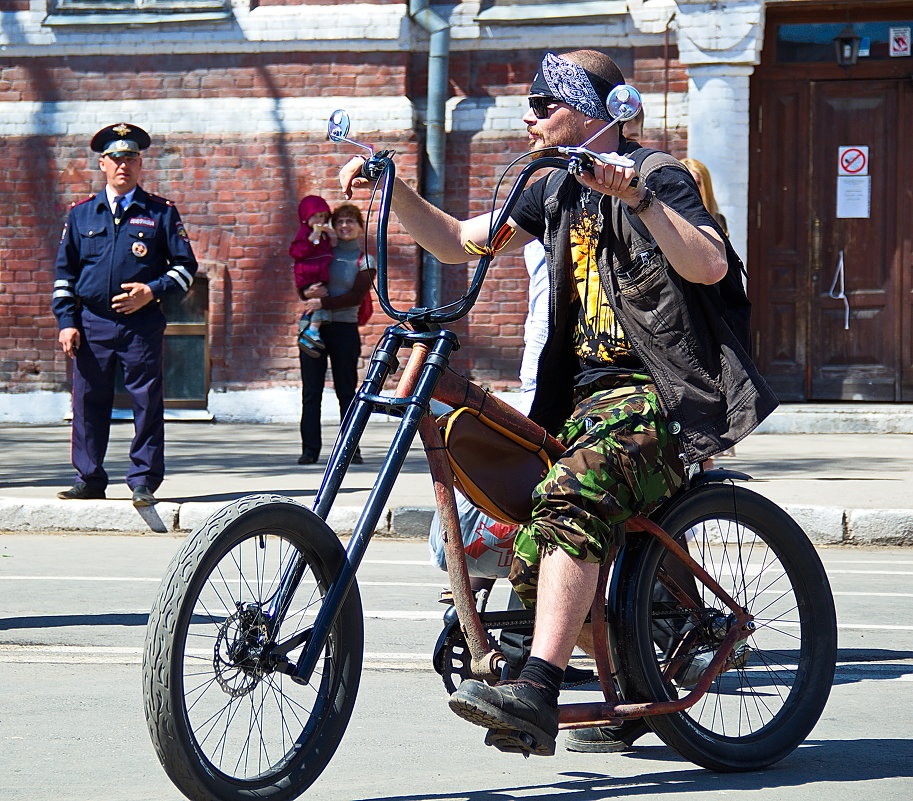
x,y
435,143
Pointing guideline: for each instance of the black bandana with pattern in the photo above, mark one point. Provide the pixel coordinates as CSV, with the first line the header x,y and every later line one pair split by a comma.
x,y
574,85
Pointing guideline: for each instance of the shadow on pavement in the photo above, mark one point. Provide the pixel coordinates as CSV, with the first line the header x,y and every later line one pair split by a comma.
x,y
61,621
826,761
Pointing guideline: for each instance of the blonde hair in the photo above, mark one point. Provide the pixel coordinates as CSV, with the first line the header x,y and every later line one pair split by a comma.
x,y
706,185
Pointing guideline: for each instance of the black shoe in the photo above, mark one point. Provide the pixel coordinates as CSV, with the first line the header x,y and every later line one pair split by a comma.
x,y
81,491
605,739
519,715
307,458
142,496
577,677
357,458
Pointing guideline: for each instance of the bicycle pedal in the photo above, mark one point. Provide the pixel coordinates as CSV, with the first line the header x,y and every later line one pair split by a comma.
x,y
511,741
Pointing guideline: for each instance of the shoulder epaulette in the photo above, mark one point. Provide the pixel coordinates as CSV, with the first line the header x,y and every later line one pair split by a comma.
x,y
161,199
80,202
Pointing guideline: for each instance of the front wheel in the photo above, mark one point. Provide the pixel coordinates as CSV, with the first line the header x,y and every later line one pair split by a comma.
x,y
225,723
777,679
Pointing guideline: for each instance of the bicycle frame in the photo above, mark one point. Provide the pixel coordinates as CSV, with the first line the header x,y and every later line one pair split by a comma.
x,y
426,377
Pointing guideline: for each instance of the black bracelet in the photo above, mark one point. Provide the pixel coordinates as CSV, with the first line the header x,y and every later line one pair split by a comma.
x,y
644,204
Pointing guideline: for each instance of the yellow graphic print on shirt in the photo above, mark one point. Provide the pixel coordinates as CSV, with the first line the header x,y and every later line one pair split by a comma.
x,y
599,338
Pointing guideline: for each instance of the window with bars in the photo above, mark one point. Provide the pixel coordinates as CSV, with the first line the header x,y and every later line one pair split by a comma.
x,y
100,12
537,12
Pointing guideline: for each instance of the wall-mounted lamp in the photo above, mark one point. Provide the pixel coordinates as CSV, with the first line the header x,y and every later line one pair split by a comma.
x,y
846,44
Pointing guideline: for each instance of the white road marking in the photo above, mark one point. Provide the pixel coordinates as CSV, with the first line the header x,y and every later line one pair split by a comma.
x,y
871,627
435,584
115,655
832,572
118,655
80,578
402,614
145,579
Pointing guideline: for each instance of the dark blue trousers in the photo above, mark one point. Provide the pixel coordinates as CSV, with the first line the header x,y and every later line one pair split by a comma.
x,y
136,345
343,347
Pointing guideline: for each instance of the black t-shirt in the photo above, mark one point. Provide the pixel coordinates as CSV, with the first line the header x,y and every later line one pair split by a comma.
x,y
600,342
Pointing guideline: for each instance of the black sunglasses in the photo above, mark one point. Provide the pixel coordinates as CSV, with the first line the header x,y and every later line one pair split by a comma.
x,y
540,104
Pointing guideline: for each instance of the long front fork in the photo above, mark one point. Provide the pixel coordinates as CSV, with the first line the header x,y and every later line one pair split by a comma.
x,y
411,402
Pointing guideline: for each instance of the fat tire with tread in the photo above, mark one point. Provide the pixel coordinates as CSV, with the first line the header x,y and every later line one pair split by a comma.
x,y
162,679
639,666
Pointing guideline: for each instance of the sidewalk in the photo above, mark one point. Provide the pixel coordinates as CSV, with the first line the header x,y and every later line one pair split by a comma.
x,y
843,488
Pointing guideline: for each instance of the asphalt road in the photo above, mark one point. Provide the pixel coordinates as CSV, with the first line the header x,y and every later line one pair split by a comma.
x,y
72,620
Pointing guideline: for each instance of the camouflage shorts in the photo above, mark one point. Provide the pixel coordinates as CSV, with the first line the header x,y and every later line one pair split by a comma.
x,y
620,461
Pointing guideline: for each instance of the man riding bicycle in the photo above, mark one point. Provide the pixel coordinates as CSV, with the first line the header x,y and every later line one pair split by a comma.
x,y
644,372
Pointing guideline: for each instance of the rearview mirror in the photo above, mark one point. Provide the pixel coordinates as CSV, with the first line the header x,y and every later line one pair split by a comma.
x,y
338,129
338,126
623,102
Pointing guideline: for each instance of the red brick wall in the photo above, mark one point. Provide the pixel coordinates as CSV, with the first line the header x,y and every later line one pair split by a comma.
x,y
238,196
193,76
29,231
239,201
657,70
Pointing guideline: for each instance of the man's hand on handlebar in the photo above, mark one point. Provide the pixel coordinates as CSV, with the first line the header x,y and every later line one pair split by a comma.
x,y
350,176
610,179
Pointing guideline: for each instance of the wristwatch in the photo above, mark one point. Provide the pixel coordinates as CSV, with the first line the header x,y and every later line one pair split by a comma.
x,y
645,203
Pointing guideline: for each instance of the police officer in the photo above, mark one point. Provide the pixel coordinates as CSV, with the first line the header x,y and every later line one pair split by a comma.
x,y
121,251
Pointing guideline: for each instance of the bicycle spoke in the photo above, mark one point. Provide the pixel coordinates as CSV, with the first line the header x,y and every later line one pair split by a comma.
x,y
244,718
742,699
211,667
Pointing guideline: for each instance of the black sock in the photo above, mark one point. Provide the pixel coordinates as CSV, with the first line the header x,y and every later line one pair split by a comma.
x,y
544,673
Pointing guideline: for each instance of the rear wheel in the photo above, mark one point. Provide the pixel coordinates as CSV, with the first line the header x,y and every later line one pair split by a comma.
x,y
224,721
777,679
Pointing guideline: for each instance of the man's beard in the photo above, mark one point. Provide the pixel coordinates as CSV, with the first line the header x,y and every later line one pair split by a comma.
x,y
565,136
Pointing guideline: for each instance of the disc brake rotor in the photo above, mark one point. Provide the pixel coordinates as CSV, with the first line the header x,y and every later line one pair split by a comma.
x,y
238,652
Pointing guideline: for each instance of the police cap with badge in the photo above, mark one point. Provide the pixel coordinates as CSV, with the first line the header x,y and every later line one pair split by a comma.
x,y
122,139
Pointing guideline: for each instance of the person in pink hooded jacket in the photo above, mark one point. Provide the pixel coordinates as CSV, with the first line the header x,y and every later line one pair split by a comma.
x,y
312,250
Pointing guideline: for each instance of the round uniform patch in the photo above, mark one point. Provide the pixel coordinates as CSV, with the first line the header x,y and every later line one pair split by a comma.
x,y
139,249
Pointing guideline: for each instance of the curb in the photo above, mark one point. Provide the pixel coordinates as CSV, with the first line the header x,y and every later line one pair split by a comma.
x,y
829,525
26,515
825,525
851,419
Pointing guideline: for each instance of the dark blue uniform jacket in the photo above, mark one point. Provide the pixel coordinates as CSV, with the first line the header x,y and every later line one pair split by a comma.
x,y
150,246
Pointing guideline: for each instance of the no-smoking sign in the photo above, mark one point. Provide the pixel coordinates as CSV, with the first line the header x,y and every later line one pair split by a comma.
x,y
853,160
899,42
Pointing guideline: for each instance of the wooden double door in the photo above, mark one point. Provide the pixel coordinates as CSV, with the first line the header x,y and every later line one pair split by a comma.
x,y
831,259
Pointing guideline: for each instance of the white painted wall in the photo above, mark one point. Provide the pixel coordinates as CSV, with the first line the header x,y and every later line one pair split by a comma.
x,y
720,44
718,136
